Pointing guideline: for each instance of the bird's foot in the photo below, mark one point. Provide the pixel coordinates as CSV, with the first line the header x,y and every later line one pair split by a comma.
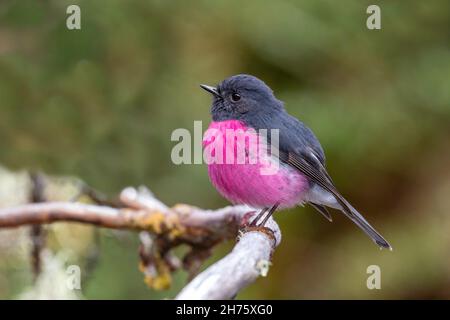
x,y
247,219
251,220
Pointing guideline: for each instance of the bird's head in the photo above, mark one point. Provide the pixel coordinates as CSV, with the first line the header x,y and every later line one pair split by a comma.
x,y
241,97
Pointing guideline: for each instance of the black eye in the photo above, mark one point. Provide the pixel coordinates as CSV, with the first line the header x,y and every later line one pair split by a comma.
x,y
235,97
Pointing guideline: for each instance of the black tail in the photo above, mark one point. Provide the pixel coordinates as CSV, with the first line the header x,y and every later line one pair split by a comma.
x,y
359,220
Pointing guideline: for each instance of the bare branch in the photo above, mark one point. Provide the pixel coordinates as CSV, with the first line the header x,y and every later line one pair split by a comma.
x,y
141,199
163,228
249,259
37,232
49,212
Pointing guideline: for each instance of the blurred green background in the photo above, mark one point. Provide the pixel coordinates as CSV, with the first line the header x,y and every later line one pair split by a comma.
x,y
100,104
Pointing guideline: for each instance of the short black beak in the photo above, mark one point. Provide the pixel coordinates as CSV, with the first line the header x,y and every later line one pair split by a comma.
x,y
211,90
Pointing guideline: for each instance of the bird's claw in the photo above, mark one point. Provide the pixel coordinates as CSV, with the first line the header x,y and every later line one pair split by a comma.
x,y
247,219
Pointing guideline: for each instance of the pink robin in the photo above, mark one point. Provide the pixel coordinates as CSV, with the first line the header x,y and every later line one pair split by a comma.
x,y
243,103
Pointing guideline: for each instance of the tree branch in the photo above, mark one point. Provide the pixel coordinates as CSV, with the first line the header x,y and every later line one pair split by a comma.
x,y
165,228
249,259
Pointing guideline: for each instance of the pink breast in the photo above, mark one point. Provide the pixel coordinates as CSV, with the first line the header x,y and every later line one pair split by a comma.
x,y
244,182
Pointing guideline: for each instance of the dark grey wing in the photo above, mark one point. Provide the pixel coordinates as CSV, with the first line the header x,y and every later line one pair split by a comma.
x,y
308,164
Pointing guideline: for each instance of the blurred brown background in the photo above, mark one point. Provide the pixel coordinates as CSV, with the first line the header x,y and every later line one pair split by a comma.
x,y
100,104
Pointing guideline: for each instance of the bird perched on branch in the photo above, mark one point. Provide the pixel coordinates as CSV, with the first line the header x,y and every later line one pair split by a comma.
x,y
245,104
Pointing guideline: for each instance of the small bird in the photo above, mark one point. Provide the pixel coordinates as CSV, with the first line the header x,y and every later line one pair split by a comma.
x,y
244,102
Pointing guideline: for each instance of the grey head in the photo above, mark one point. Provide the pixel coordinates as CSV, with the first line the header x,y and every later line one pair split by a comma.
x,y
242,97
